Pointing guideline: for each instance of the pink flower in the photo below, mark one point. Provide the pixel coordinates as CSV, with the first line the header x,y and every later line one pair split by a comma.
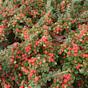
x,y
44,39
15,44
49,21
17,30
73,21
29,87
24,70
82,33
13,78
51,60
85,55
7,86
28,48
67,76
65,81
21,87
58,29
32,72
51,54
20,74
12,60
0,67
75,54
26,35
1,29
32,61
69,53
75,48
24,56
19,52
45,27
78,66
63,86
37,43
36,79
40,63
31,1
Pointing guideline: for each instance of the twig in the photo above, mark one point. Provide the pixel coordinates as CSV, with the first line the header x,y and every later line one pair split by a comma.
x,y
57,74
82,21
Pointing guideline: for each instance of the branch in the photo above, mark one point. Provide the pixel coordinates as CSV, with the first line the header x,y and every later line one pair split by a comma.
x,y
58,74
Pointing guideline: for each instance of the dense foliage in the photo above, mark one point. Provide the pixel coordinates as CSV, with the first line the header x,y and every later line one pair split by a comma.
x,y
43,43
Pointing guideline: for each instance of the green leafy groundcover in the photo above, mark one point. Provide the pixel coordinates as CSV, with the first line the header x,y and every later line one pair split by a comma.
x,y
43,44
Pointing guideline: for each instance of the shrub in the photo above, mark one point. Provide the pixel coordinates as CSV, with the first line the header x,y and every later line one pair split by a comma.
x,y
43,44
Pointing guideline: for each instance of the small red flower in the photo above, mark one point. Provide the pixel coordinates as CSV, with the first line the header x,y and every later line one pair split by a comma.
x,y
45,27
85,55
1,29
78,66
26,35
7,85
44,39
82,33
24,56
36,79
31,1
40,63
58,29
0,67
21,87
12,60
49,21
32,61
24,70
19,52
20,74
32,72
65,81
69,53
13,78
75,49
29,87
16,66
15,44
17,30
51,54
66,78
51,60
73,21
37,43
28,48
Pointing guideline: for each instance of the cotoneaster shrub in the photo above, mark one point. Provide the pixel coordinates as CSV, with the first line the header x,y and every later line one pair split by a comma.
x,y
39,62
43,44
